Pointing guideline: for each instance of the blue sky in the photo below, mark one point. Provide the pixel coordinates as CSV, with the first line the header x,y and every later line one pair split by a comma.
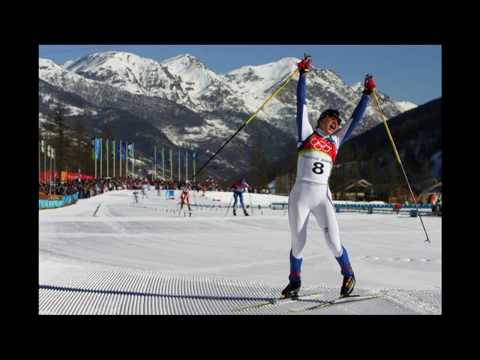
x,y
404,72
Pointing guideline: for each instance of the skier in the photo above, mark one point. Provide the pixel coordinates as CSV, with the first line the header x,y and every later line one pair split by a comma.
x,y
144,193
238,189
185,197
317,150
135,195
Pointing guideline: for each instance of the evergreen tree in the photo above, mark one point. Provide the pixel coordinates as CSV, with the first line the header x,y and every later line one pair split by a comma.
x,y
59,140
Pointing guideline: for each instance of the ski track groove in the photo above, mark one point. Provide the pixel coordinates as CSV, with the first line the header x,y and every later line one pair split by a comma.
x,y
149,293
142,293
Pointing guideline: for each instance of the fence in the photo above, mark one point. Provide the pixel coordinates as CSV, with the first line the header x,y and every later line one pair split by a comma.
x,y
51,204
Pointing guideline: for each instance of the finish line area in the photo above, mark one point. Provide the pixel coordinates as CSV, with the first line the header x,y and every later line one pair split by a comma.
x,y
112,255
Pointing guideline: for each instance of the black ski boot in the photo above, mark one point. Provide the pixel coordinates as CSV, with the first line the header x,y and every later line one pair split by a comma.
x,y
245,212
234,212
292,289
348,285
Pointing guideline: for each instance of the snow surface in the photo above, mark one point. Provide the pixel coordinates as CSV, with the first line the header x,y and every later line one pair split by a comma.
x,y
405,105
110,255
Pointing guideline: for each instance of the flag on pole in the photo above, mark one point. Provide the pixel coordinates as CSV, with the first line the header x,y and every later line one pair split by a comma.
x,y
179,164
194,160
186,164
97,148
163,162
106,149
171,164
114,152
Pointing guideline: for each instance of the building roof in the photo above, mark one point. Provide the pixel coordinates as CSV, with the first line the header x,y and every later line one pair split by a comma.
x,y
362,183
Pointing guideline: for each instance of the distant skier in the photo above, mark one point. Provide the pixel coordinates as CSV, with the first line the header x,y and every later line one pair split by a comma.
x,y
185,197
317,150
238,189
144,193
135,195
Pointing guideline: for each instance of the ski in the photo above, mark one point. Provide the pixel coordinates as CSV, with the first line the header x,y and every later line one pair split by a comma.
x,y
276,301
337,301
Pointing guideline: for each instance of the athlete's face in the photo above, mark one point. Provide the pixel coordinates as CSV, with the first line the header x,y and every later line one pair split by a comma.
x,y
329,124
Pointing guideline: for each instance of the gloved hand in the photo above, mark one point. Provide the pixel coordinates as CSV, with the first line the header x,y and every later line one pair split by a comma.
x,y
369,84
304,65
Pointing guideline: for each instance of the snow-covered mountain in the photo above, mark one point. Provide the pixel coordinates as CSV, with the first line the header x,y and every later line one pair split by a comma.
x,y
189,103
405,105
185,80
182,79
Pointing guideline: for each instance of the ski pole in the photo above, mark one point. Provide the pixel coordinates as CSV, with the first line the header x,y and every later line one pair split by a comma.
x,y
399,160
287,80
250,198
228,208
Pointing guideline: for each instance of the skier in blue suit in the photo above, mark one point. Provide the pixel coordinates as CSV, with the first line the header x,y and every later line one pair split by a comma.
x,y
238,189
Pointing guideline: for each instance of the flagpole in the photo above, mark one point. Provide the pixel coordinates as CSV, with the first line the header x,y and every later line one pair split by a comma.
x,y
45,162
179,166
171,164
163,162
114,148
186,165
133,164
194,156
154,162
54,173
108,155
101,158
126,159
95,157
120,158
39,161
42,148
49,170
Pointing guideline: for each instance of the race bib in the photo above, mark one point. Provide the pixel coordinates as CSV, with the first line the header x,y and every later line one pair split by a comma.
x,y
314,167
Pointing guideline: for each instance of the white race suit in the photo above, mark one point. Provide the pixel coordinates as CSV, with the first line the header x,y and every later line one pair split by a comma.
x,y
311,194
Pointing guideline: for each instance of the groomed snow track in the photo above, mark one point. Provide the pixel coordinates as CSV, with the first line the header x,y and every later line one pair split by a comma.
x,y
120,293
146,259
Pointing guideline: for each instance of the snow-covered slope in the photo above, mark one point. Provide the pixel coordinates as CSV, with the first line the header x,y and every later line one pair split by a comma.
x,y
134,258
405,105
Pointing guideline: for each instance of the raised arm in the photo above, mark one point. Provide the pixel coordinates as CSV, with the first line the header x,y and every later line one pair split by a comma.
x,y
304,129
346,131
